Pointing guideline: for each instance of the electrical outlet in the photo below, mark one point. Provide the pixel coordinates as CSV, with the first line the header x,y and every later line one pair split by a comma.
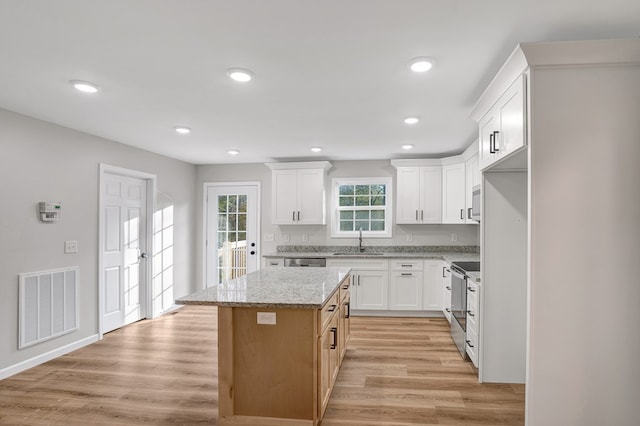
x,y
285,238
454,237
409,237
268,238
70,247
305,237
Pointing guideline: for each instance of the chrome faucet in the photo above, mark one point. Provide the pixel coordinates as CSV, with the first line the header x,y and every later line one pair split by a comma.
x,y
360,246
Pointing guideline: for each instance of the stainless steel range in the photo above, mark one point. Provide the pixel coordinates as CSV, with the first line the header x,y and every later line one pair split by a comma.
x,y
459,302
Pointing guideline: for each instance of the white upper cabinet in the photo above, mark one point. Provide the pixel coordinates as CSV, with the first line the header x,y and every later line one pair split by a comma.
x,y
453,193
298,193
502,129
419,194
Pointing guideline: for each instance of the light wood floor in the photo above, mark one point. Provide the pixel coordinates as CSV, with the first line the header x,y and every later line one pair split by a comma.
x,y
164,372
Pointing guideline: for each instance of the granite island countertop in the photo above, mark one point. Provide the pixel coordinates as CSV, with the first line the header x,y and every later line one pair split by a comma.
x,y
306,288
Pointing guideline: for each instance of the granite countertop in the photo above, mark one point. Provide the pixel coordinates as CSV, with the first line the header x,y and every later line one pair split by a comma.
x,y
447,256
306,288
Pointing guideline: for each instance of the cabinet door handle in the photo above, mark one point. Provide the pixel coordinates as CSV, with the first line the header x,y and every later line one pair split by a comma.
x,y
470,290
404,265
495,142
444,268
334,344
293,216
469,343
332,308
461,214
469,213
406,274
416,215
471,314
421,214
448,288
491,151
348,313
298,215
447,309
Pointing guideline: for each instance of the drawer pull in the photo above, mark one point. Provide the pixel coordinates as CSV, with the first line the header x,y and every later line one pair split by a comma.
x,y
449,288
348,313
447,309
469,344
406,274
332,308
407,266
334,344
471,290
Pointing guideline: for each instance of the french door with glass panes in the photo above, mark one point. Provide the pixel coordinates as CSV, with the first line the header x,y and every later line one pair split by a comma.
x,y
232,232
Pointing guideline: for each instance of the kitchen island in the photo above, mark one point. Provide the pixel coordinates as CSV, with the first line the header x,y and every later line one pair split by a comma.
x,y
282,334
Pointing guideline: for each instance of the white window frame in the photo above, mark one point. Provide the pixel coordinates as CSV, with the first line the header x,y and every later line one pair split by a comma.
x,y
335,211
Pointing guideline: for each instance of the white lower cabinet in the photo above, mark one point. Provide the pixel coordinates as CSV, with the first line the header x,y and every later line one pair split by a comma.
x,y
432,287
369,282
473,319
406,285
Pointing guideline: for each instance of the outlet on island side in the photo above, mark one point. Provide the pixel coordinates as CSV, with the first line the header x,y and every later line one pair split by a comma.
x,y
454,237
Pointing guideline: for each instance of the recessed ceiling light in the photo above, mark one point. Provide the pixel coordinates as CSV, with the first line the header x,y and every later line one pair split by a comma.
x,y
182,130
233,152
239,74
316,149
421,64
411,120
84,86
407,147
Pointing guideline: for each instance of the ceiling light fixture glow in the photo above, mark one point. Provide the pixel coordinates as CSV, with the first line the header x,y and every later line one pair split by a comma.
x,y
233,152
182,130
239,74
407,147
411,120
421,64
84,86
316,149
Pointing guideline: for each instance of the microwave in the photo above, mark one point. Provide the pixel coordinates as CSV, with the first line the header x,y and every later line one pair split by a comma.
x,y
475,203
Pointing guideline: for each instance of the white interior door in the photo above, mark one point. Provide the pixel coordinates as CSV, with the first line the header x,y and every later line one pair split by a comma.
x,y
124,247
232,232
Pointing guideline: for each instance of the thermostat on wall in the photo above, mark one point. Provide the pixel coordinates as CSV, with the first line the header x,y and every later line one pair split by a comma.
x,y
49,212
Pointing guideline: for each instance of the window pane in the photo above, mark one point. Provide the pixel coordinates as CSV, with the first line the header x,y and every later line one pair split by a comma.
x,y
346,201
242,222
377,214
378,189
242,236
364,225
232,203
377,225
377,200
362,200
362,189
345,190
242,203
222,237
346,225
233,222
222,222
346,215
362,214
232,237
222,203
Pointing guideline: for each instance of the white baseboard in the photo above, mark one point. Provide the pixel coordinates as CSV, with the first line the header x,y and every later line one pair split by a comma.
x,y
47,356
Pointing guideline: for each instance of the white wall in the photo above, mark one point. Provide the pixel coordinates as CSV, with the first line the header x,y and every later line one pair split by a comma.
x,y
585,246
321,234
41,161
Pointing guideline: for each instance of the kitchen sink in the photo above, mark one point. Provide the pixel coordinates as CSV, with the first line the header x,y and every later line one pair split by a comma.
x,y
348,253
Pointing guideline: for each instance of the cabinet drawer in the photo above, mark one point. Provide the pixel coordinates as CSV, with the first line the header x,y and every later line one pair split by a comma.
x,y
367,264
345,288
472,296
327,311
472,346
472,319
407,265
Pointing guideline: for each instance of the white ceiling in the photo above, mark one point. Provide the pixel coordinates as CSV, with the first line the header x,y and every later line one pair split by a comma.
x,y
331,73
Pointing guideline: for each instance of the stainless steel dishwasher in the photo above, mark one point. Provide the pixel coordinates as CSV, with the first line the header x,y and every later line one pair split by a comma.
x,y
310,262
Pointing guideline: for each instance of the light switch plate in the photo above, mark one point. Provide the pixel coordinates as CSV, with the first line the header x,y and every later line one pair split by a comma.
x,y
285,238
267,318
409,237
70,247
